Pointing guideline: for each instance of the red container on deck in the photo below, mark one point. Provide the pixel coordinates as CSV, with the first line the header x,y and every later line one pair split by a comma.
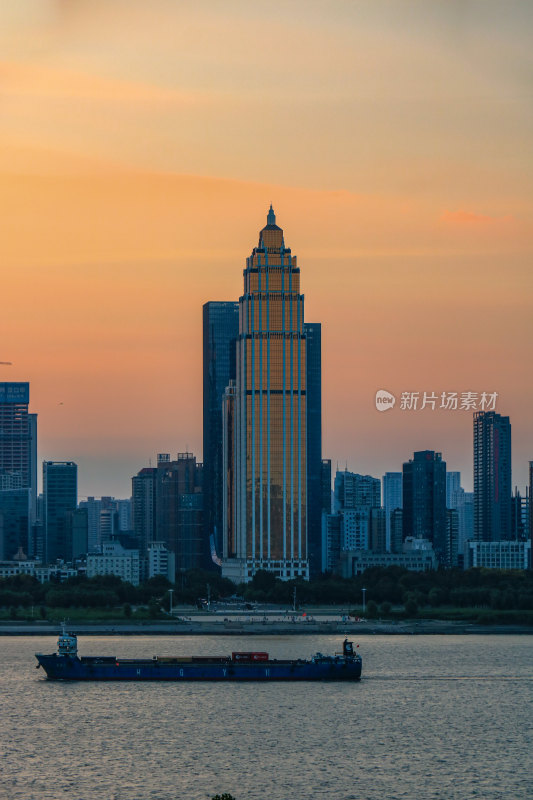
x,y
254,656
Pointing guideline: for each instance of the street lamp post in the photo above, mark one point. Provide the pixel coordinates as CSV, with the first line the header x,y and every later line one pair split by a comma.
x,y
364,601
170,591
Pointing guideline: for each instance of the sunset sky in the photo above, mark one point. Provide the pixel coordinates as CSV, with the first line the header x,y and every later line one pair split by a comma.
x,y
140,147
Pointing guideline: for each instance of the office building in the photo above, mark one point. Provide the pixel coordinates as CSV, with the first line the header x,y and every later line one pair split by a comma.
x,y
424,501
392,499
220,323
18,438
492,477
313,336
14,522
60,489
269,526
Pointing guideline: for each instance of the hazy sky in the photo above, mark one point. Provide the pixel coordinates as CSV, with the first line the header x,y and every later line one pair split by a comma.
x,y
140,147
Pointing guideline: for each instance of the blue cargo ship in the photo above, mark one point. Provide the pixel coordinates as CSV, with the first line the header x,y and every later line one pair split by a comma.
x,y
66,664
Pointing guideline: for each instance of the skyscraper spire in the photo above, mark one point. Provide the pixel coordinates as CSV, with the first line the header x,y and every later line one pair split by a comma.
x,y
271,217
264,440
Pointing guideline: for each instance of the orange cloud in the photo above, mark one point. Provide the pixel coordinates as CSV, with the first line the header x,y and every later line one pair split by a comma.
x,y
27,80
463,217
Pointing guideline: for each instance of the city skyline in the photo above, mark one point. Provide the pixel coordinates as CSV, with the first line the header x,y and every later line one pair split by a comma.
x,y
394,147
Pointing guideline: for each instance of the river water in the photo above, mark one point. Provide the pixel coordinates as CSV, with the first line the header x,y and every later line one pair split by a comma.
x,y
434,717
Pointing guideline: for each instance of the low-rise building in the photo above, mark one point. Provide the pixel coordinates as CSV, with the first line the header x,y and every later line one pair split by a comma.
x,y
500,555
417,556
115,560
59,572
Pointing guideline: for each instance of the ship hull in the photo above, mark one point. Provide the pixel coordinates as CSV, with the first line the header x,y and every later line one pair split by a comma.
x,y
58,667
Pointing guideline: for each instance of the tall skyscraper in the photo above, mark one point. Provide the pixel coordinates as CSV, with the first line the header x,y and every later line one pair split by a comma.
x,y
60,489
220,322
424,501
392,499
268,529
313,334
18,437
492,477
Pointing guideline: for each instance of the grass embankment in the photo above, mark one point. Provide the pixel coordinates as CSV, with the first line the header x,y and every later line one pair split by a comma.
x,y
87,615
479,616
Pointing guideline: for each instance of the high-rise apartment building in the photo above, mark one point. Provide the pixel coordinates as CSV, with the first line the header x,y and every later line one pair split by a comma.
x,y
60,490
424,501
268,526
18,437
463,502
453,484
492,477
220,323
313,335
353,490
325,485
392,499
143,507
180,510
531,501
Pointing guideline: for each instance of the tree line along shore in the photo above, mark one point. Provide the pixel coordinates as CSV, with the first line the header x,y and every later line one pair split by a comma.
x,y
484,596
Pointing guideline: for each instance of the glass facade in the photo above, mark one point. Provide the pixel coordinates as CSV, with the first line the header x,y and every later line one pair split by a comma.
x,y
424,501
220,324
313,335
492,477
266,447
60,490
18,437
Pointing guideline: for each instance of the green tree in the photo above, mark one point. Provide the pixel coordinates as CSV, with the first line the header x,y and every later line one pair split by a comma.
x,y
411,607
154,609
385,608
372,609
126,610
